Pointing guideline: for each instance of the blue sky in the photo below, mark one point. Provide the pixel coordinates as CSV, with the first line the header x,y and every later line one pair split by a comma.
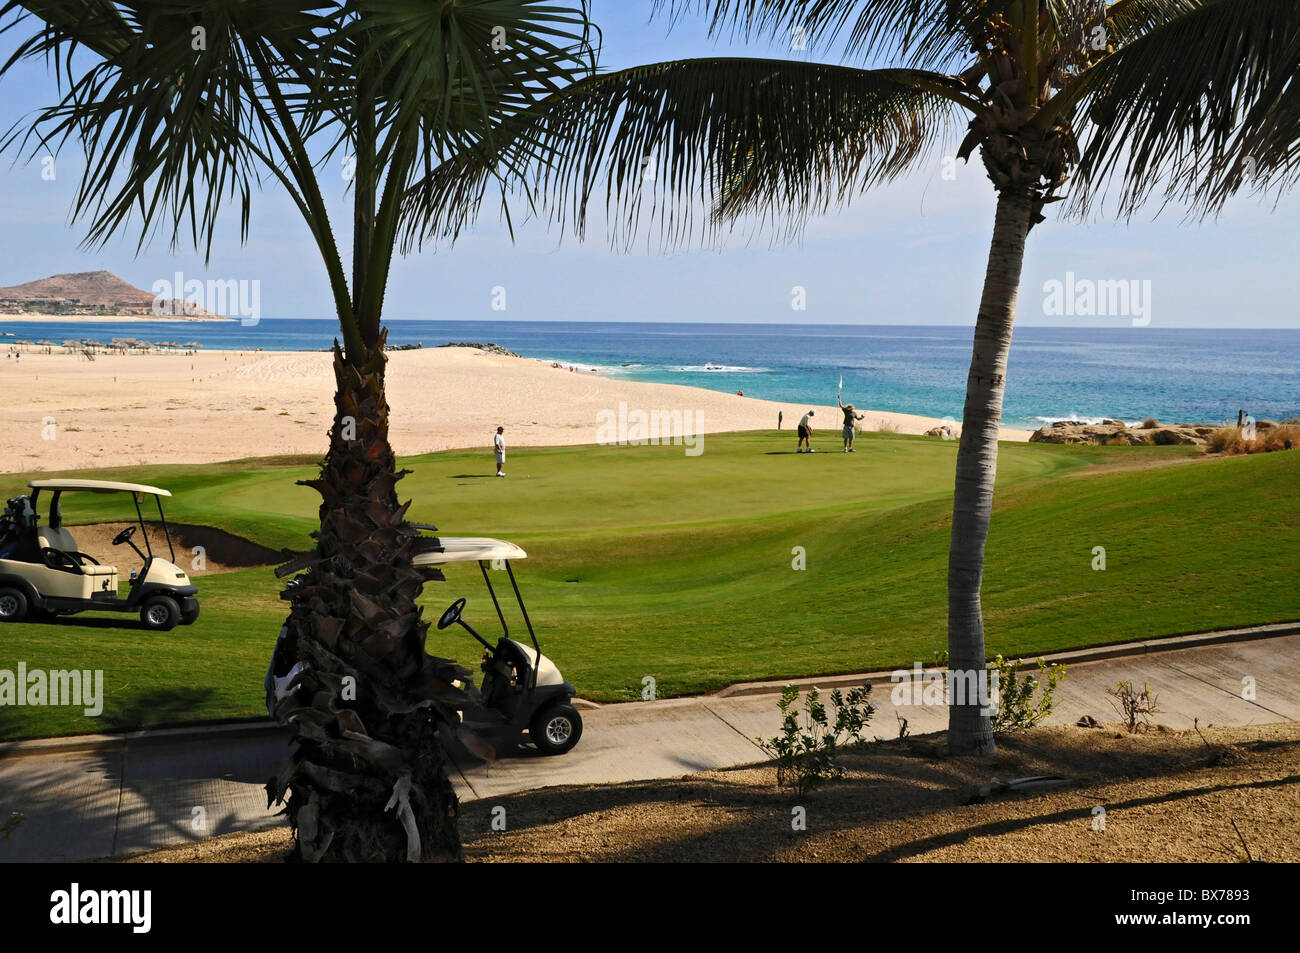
x,y
911,253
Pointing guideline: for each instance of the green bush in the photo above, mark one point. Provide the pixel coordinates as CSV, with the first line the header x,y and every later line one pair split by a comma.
x,y
807,746
10,824
1017,708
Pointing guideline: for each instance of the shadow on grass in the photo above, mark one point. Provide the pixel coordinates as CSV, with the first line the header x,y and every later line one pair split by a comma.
x,y
173,706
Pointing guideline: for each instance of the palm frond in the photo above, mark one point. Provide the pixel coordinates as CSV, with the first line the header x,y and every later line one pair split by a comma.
x,y
1195,108
686,147
163,114
931,34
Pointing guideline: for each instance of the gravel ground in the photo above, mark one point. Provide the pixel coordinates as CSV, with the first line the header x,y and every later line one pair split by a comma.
x,y
1167,795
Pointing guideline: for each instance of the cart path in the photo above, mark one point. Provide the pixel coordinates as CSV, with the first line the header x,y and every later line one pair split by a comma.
x,y
140,795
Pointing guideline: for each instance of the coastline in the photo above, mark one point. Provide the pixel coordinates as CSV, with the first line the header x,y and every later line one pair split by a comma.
x,y
144,409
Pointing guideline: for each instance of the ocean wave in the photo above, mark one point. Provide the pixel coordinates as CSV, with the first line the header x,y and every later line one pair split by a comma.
x,y
578,366
721,369
1088,421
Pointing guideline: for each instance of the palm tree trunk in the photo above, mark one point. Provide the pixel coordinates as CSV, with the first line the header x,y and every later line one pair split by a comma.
x,y
969,731
368,780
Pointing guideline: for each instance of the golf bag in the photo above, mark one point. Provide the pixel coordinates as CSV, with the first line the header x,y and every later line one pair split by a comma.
x,y
18,530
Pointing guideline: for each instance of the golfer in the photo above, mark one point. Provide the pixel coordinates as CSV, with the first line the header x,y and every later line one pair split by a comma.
x,y
499,448
805,432
849,430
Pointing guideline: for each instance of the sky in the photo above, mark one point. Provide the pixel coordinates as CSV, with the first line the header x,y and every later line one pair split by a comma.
x,y
912,252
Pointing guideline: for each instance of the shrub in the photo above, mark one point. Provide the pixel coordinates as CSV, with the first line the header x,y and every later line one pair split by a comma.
x,y
1150,423
1134,707
886,426
1226,439
806,749
10,824
1230,439
1016,707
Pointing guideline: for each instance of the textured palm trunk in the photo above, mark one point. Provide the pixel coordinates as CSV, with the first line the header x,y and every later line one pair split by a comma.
x,y
368,780
969,731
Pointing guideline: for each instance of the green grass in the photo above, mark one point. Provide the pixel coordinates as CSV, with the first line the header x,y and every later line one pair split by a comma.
x,y
644,561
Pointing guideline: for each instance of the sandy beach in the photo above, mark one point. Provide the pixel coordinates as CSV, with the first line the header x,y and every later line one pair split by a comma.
x,y
65,412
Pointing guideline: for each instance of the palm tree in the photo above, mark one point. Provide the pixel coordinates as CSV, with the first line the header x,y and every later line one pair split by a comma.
x,y
181,106
1177,100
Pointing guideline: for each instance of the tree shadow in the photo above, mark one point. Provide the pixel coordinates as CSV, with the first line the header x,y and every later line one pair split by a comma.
x,y
155,709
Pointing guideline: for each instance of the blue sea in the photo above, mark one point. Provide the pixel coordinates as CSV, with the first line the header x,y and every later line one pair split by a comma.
x,y
1055,373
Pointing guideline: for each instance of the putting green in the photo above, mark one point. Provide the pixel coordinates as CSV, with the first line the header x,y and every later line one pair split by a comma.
x,y
646,561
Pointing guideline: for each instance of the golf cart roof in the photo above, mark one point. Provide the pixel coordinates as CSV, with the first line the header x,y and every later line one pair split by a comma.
x,y
465,549
97,486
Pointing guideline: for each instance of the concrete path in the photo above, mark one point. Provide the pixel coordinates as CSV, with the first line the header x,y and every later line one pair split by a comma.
x,y
99,796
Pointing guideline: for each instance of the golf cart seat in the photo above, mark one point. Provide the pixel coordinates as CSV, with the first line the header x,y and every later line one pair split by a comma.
x,y
61,541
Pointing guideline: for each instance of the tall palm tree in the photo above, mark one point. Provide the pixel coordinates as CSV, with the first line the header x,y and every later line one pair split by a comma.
x,y
1176,100
181,106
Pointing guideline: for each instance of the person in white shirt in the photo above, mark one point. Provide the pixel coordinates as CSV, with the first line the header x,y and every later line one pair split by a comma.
x,y
805,432
499,446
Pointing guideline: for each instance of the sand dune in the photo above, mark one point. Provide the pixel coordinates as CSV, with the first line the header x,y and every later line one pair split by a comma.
x,y
64,412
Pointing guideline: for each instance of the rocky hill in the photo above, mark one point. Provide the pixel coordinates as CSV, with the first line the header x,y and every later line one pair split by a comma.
x,y
84,292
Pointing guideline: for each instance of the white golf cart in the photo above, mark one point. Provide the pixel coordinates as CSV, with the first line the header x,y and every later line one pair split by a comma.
x,y
43,571
522,688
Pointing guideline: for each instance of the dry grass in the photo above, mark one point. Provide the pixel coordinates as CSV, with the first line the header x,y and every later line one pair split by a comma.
x,y
1231,439
885,426
1168,796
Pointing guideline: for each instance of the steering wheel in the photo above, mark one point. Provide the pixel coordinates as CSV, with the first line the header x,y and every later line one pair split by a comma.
x,y
124,536
452,615
58,559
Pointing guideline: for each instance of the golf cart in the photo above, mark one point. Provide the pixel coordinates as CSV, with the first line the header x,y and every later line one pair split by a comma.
x,y
522,688
44,573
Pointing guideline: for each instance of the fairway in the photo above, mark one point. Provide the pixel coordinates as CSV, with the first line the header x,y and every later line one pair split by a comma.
x,y
647,562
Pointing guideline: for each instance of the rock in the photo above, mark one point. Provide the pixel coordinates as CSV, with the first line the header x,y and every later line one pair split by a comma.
x,y
946,431
1087,721
489,348
1111,431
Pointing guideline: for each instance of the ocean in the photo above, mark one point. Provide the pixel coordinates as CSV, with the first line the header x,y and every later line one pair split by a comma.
x,y
1127,372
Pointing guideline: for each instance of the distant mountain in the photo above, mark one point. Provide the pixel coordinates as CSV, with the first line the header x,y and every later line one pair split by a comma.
x,y
82,291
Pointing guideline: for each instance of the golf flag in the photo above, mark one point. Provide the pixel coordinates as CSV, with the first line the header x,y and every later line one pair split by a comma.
x,y
841,383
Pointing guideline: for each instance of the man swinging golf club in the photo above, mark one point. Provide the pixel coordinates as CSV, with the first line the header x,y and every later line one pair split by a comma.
x,y
805,432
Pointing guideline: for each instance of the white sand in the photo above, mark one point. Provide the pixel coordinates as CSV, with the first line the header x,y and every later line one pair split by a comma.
x,y
171,408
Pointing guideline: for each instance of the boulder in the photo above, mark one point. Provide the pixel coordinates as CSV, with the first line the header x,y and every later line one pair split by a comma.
x,y
1169,437
1111,431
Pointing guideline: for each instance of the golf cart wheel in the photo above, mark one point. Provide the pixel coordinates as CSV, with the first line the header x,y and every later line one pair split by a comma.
x,y
556,728
13,605
160,613
188,618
